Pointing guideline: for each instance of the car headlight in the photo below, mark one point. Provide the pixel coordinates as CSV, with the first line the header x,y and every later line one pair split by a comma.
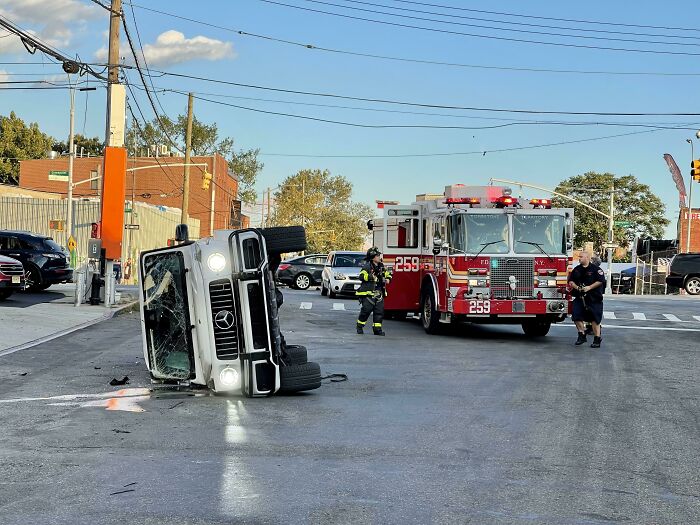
x,y
229,377
340,276
216,262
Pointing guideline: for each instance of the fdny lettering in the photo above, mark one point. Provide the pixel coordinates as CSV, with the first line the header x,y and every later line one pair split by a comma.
x,y
407,264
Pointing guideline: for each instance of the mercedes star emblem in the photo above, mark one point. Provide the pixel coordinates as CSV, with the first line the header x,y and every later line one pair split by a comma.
x,y
224,319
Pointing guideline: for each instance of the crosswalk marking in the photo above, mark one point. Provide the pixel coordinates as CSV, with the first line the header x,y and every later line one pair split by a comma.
x,y
609,315
338,306
305,306
639,317
671,317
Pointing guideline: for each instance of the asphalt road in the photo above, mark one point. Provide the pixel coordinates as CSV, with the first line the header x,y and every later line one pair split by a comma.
x,y
477,426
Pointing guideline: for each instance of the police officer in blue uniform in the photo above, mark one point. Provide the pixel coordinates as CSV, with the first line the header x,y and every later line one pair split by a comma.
x,y
374,278
587,283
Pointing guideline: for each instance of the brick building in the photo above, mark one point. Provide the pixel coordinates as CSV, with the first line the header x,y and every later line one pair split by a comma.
x,y
694,230
156,182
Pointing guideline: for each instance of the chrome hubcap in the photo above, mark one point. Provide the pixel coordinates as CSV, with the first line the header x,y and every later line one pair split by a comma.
x,y
693,286
303,281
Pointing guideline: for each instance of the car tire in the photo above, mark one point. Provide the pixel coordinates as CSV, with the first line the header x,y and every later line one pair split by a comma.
x,y
45,286
296,354
536,329
324,290
298,378
285,239
34,280
302,281
4,294
430,317
692,286
332,294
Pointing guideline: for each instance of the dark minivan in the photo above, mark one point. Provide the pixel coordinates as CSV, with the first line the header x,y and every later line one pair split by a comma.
x,y
45,262
685,272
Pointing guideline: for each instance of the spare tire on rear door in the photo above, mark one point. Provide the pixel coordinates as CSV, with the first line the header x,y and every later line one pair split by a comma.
x,y
285,239
296,354
297,378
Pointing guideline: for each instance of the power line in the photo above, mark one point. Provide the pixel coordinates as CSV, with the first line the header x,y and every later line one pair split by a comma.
x,y
424,105
465,153
480,26
600,22
412,60
475,35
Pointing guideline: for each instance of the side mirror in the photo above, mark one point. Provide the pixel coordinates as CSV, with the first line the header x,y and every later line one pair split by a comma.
x,y
437,242
370,225
182,233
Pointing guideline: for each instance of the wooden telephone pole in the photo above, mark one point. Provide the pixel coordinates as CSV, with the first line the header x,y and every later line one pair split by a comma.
x,y
188,155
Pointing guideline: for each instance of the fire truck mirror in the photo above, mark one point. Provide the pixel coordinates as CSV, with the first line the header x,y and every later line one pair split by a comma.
x,y
437,242
370,225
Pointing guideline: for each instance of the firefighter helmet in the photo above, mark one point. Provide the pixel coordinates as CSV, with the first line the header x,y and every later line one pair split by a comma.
x,y
372,253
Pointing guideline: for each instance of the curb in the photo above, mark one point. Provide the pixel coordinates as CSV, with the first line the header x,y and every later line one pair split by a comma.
x,y
127,308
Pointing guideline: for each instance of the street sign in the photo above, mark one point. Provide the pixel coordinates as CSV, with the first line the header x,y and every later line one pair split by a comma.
x,y
610,245
94,248
72,245
56,225
58,175
131,226
624,224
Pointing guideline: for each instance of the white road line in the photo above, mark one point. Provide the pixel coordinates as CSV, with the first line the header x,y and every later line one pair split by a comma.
x,y
609,315
696,317
338,306
659,328
639,317
671,317
305,306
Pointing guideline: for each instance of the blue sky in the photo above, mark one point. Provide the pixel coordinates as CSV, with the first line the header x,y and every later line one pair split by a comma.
x,y
79,27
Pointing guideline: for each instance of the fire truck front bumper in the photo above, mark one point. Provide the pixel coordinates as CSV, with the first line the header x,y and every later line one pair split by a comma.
x,y
488,308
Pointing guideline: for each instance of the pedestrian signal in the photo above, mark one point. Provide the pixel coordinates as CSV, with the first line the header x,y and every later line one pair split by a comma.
x,y
695,170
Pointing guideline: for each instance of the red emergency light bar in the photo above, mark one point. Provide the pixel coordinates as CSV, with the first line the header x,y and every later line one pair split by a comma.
x,y
541,203
463,200
506,200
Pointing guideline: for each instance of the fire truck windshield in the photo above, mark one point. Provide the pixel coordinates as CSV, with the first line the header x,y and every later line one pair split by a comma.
x,y
539,233
479,233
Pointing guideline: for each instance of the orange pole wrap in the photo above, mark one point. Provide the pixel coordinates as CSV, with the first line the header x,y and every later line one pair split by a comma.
x,y
113,190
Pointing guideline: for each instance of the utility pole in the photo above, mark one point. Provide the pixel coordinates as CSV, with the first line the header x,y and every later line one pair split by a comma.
x,y
111,138
611,224
690,198
71,155
188,154
268,206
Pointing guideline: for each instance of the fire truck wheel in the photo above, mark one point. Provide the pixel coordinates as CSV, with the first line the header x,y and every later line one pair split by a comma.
x,y
285,239
297,378
429,314
296,354
536,328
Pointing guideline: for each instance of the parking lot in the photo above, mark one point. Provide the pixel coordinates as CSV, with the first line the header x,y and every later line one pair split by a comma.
x,y
479,425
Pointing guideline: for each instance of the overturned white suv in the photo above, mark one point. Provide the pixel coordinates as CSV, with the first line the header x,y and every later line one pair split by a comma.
x,y
209,313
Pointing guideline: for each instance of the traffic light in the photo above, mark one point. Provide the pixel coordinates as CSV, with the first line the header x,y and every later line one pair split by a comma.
x,y
695,170
206,180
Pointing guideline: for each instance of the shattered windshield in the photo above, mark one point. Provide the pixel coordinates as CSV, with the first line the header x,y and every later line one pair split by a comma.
x,y
166,315
540,233
480,233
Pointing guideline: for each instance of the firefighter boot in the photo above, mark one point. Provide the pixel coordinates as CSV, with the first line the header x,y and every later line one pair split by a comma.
x,y
596,342
360,327
377,329
581,338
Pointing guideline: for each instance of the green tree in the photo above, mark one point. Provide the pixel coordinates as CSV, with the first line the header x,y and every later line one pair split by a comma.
x,y
92,147
634,203
323,204
205,141
19,142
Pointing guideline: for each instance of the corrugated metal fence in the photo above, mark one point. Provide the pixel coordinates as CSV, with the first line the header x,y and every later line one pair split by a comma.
x,y
156,225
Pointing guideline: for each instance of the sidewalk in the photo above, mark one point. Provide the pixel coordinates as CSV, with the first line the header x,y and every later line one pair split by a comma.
x,y
28,319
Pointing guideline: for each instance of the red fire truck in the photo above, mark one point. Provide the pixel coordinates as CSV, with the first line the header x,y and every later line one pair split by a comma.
x,y
477,254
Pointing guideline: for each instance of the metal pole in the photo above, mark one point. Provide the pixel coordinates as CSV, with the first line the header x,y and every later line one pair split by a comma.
x,y
651,273
690,200
268,206
188,154
71,156
113,62
611,224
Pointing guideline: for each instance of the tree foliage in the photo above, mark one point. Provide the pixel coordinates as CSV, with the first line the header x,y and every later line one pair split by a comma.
x,y
323,204
205,141
19,142
92,147
634,202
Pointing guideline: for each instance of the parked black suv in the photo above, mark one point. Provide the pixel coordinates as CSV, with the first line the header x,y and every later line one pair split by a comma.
x,y
45,262
685,272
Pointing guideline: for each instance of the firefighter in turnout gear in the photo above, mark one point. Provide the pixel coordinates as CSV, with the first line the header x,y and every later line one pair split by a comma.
x,y
374,278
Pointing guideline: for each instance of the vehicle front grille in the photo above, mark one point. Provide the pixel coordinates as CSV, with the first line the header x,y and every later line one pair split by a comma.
x,y
502,268
11,269
354,277
223,319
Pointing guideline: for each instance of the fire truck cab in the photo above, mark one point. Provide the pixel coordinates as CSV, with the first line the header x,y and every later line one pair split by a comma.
x,y
477,254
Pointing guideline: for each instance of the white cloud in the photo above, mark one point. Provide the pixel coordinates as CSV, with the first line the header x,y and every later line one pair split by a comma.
x,y
53,22
172,47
